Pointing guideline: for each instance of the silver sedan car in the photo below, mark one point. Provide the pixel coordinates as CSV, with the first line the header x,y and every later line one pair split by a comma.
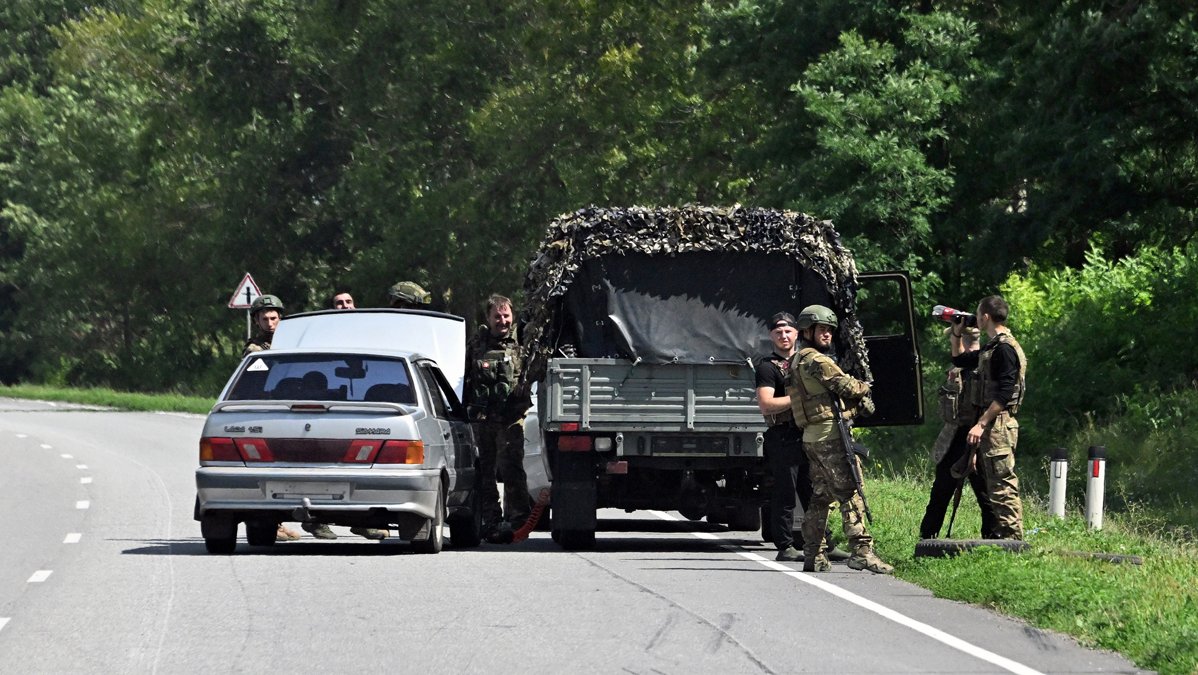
x,y
352,418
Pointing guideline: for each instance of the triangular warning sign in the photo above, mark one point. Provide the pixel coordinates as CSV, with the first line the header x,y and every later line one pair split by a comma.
x,y
245,295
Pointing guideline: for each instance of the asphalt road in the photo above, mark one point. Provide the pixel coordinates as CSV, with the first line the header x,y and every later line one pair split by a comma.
x,y
102,569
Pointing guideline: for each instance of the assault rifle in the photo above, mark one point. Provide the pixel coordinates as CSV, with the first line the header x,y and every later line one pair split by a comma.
x,y
960,470
849,454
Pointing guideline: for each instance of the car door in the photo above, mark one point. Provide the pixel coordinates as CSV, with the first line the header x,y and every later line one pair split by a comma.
x,y
454,427
886,312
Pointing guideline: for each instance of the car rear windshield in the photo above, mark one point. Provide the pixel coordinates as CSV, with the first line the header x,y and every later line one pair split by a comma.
x,y
323,377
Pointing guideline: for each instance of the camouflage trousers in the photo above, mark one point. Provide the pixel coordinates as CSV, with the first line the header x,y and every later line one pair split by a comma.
x,y
501,455
831,481
996,463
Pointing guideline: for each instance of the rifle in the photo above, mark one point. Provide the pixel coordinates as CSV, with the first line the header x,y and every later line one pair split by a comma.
x,y
847,440
962,467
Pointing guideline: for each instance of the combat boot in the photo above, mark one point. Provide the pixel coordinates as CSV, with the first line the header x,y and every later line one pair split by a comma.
x,y
370,533
816,563
866,559
789,554
319,530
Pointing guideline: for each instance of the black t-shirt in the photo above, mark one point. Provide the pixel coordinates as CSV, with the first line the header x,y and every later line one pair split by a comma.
x,y
772,371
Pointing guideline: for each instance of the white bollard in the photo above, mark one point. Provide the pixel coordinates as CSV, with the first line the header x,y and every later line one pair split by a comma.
x,y
1095,485
1058,468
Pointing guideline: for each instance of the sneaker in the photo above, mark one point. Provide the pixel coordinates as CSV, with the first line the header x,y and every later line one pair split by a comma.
x,y
369,532
837,553
318,530
866,559
789,554
818,563
286,534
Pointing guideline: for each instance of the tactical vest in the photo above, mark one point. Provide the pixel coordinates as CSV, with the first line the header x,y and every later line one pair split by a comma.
x,y
810,401
495,372
984,388
786,416
956,398
258,343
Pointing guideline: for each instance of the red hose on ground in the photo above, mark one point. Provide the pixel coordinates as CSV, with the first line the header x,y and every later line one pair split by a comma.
x,y
533,517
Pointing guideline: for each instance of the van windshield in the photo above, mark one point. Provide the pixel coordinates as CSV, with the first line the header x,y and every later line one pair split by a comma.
x,y
323,377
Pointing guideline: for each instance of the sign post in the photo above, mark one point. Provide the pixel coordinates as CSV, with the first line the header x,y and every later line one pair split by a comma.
x,y
245,295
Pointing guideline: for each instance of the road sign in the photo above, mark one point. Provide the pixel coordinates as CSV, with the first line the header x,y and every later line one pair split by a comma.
x,y
245,295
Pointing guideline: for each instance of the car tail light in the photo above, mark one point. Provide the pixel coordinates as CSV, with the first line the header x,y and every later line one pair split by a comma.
x,y
216,449
401,452
574,443
362,451
569,426
254,450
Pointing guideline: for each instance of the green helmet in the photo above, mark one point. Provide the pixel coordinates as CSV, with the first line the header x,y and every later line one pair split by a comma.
x,y
813,314
409,292
266,302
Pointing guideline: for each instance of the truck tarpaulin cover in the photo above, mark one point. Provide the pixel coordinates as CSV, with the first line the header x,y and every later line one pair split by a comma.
x,y
706,309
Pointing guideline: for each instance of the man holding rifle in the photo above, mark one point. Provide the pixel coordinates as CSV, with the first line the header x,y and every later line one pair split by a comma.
x,y
1001,371
818,389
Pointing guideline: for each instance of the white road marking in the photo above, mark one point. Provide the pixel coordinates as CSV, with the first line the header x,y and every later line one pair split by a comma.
x,y
80,466
47,447
72,538
67,456
189,416
881,610
21,436
52,404
85,480
3,621
40,576
83,504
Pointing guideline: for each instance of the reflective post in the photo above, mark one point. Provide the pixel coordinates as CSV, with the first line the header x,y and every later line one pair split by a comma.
x,y
1095,485
1058,468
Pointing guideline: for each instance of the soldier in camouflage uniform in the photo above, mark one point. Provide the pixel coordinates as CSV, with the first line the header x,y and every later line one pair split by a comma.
x,y
814,379
958,414
409,295
1001,372
265,312
497,406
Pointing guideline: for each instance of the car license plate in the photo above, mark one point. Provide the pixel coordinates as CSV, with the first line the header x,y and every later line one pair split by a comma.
x,y
310,489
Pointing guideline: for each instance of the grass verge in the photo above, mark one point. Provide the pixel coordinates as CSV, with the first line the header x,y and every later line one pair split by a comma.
x,y
113,399
1148,613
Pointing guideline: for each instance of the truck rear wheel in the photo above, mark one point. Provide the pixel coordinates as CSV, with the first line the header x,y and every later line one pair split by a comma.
x,y
576,540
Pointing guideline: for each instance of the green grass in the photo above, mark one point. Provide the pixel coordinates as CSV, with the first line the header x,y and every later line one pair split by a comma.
x,y
112,399
1148,613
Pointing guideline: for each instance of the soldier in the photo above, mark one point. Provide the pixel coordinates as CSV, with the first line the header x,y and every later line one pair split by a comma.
x,y
497,406
814,379
783,442
409,295
958,414
1001,372
265,312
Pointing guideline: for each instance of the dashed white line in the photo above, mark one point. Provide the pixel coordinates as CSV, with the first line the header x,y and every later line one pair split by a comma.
x,y
47,447
67,456
52,404
21,436
40,576
80,466
73,538
85,480
3,621
881,610
83,504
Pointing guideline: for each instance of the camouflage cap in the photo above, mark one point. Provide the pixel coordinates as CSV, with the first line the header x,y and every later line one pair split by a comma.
x,y
266,302
409,291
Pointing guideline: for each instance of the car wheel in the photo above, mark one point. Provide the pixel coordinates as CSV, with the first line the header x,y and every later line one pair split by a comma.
x,y
465,531
261,532
744,518
220,534
943,548
436,534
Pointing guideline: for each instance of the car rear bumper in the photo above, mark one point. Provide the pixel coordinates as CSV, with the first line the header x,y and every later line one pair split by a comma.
x,y
234,489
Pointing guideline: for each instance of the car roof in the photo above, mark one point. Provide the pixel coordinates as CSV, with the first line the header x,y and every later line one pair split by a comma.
x,y
403,333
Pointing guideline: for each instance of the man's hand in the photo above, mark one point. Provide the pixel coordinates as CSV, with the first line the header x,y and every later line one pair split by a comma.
x,y
975,434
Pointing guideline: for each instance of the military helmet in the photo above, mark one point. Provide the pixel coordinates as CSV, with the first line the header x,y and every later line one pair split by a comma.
x,y
409,291
813,314
266,302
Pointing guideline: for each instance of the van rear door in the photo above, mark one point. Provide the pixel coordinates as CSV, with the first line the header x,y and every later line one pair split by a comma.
x,y
885,309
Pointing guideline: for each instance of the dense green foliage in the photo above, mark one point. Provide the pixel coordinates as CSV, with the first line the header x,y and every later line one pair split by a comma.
x,y
152,151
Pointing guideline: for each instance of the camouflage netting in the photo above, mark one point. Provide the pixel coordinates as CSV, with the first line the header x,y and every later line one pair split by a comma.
x,y
588,233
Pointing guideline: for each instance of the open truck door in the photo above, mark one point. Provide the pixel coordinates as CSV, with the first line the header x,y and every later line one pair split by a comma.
x,y
885,309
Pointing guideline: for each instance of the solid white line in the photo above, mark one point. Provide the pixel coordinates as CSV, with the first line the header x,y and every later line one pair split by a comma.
x,y
881,610
85,480
52,404
67,456
83,504
40,576
72,538
3,621
80,466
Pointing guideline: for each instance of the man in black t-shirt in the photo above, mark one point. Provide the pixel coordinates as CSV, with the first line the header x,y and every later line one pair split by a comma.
x,y
783,441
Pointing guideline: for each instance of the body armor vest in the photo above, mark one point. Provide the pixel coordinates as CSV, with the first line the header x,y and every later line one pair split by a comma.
x,y
495,372
957,396
984,387
810,401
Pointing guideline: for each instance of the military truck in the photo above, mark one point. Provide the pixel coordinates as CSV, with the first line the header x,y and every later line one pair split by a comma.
x,y
642,330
